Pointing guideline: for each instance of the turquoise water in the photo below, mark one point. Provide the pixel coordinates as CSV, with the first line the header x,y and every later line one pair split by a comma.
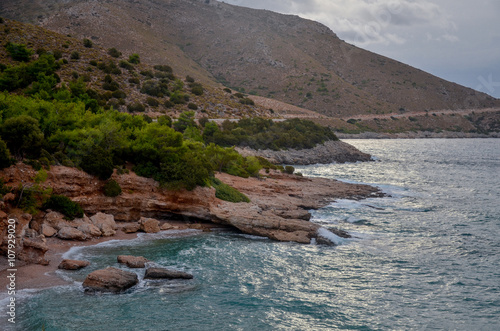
x,y
425,258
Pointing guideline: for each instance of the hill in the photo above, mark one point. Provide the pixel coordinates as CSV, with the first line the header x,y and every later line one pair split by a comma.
x,y
259,52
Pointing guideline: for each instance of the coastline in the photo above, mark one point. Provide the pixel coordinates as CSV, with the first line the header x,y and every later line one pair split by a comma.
x,y
38,277
417,135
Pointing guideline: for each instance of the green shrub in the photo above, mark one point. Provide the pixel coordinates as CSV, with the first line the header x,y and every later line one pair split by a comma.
x,y
189,79
134,80
136,107
169,104
126,65
228,193
64,205
239,95
75,55
165,120
289,169
5,159
164,68
19,52
112,188
114,52
87,43
192,106
134,58
196,89
152,102
228,90
22,135
247,101
98,162
3,188
57,54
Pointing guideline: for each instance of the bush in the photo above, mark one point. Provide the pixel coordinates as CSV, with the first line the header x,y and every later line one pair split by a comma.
x,y
19,52
22,135
189,79
247,101
126,65
134,58
196,89
87,43
228,193
114,52
169,104
98,162
134,80
152,102
164,68
5,160
112,188
75,55
289,169
136,107
192,106
228,90
57,54
64,205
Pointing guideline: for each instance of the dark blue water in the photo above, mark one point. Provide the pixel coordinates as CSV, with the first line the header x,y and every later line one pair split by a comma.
x,y
426,258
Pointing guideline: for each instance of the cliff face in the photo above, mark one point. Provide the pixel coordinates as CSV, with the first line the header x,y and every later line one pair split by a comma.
x,y
278,209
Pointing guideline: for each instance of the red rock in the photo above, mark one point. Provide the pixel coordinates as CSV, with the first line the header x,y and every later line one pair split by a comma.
x,y
110,280
73,264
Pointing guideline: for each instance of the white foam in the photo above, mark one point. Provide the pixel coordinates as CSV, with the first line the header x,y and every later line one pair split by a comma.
x,y
249,236
332,237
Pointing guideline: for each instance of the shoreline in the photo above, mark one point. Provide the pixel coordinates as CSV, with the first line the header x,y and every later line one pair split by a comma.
x,y
417,135
40,277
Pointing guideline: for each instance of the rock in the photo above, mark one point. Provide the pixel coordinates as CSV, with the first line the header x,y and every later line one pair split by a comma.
x,y
132,261
162,273
48,231
90,230
131,228
110,280
70,233
166,226
73,264
105,222
9,197
33,250
56,220
329,152
149,225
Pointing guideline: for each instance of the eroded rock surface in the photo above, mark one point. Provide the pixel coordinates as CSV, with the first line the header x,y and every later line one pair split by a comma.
x,y
132,261
163,273
73,264
110,280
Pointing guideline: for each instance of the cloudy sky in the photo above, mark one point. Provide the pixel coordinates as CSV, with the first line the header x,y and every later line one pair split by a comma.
x,y
458,40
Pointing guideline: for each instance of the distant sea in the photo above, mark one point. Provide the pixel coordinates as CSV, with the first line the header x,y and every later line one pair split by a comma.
x,y
427,257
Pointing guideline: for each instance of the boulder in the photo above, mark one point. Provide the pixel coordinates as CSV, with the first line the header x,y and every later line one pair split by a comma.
x,y
162,273
48,231
166,226
90,230
110,280
131,228
73,264
105,222
33,250
56,220
132,261
149,225
70,233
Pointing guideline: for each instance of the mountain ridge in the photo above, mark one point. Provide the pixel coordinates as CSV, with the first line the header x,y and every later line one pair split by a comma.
x,y
283,57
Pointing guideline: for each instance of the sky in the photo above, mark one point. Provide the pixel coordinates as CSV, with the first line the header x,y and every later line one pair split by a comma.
x,y
458,40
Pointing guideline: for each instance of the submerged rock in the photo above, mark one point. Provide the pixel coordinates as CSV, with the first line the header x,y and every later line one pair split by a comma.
x,y
73,264
132,261
110,280
162,273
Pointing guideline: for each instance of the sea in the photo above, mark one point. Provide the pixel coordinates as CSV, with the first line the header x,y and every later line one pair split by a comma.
x,y
425,257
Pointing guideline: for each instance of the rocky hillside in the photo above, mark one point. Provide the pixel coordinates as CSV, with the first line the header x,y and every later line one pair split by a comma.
x,y
259,52
115,79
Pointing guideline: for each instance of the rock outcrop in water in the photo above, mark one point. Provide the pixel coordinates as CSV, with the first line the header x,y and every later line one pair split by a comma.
x,y
110,280
329,152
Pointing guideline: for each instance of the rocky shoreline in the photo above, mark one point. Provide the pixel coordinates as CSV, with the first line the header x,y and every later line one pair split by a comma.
x,y
329,152
279,210
417,135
